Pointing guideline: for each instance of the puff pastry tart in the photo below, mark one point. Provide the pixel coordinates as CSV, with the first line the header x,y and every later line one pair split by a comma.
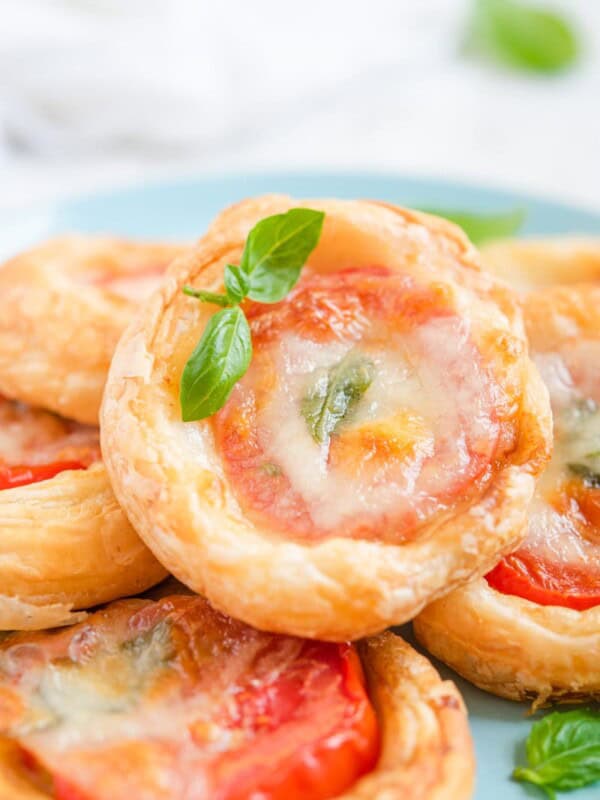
x,y
64,541
534,263
422,486
63,306
170,700
531,627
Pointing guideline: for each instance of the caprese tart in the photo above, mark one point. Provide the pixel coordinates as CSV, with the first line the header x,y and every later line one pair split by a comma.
x,y
530,629
170,700
64,541
63,306
535,263
354,448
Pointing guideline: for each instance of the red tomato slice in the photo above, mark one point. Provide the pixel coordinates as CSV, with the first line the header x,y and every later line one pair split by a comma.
x,y
589,505
37,445
64,791
382,315
558,582
180,701
523,575
12,476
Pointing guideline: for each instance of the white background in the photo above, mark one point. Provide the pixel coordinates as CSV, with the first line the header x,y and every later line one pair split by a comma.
x,y
102,92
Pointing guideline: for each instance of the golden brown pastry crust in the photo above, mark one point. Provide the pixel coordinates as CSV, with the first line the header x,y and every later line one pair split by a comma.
x,y
534,263
66,544
508,645
512,647
558,313
426,751
59,325
177,497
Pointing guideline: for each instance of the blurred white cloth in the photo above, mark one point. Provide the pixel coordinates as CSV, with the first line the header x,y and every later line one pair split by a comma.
x,y
106,87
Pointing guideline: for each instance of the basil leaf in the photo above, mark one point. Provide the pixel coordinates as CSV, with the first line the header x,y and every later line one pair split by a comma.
x,y
563,751
589,476
522,35
207,297
236,283
271,469
276,250
220,359
482,228
333,394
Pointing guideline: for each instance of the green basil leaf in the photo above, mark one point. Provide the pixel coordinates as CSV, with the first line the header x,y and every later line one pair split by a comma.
x,y
482,228
207,297
563,751
219,360
271,469
276,250
334,392
589,476
236,283
525,36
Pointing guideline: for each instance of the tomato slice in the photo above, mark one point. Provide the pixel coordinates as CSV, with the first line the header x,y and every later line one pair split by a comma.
x,y
37,445
172,700
588,501
523,575
543,570
63,790
424,437
22,475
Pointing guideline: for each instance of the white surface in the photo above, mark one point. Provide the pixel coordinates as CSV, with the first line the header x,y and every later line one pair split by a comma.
x,y
98,92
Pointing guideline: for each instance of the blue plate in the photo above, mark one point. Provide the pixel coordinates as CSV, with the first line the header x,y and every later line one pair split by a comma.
x,y
182,210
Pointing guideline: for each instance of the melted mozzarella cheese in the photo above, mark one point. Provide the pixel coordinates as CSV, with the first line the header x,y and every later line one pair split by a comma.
x,y
573,380
431,374
113,688
555,538
557,378
31,436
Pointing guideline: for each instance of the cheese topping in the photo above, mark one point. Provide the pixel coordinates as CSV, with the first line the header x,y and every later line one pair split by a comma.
x,y
558,529
362,414
170,700
34,437
412,406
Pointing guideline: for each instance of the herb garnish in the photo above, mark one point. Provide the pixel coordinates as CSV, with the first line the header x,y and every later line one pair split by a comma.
x,y
275,252
522,35
589,476
334,392
563,751
482,228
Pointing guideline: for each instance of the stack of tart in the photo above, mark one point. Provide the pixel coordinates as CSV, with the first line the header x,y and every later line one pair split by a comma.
x,y
266,670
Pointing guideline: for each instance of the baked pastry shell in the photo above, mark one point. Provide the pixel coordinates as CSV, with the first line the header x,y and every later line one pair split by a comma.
x,y
66,544
426,748
512,647
505,644
530,264
168,479
59,326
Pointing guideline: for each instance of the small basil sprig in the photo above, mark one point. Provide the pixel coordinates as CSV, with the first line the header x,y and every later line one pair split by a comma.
x,y
588,475
563,751
334,392
275,252
482,228
522,35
